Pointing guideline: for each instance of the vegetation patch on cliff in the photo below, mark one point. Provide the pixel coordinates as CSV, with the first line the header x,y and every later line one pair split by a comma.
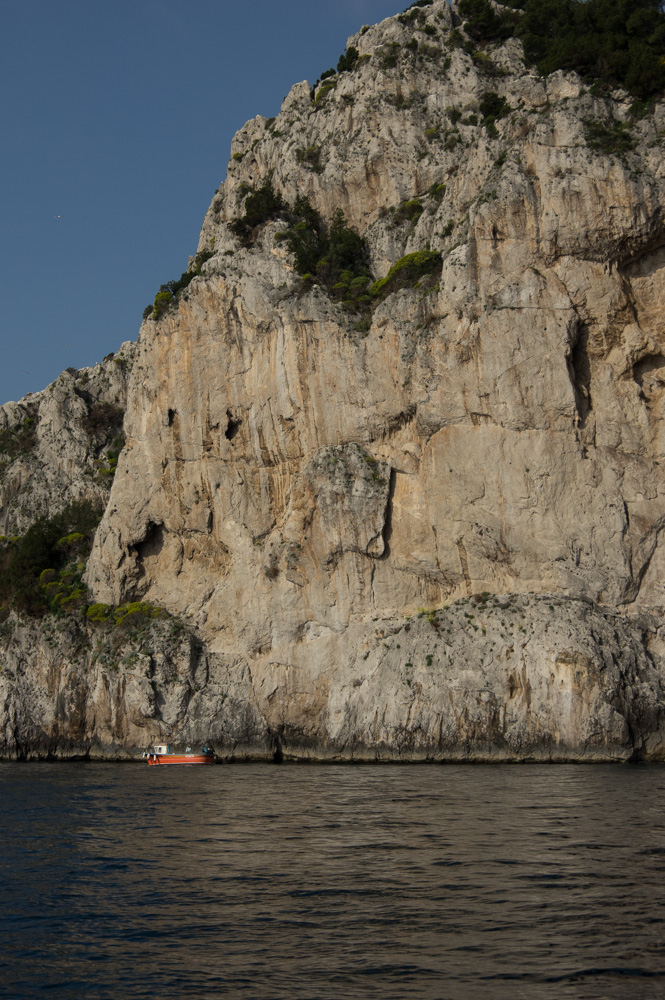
x,y
609,138
102,419
407,272
168,293
107,466
334,255
19,440
347,62
615,42
134,632
41,577
42,570
133,613
413,11
260,205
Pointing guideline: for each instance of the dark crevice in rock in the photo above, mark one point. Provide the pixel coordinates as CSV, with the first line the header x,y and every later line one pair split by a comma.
x,y
403,418
393,425
644,259
388,518
153,541
232,427
579,369
170,417
83,394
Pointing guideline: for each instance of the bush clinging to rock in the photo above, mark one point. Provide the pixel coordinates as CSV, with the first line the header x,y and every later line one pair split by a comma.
x,y
407,271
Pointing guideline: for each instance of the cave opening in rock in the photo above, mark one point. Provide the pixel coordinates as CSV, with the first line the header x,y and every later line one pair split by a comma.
x,y
171,417
232,427
277,752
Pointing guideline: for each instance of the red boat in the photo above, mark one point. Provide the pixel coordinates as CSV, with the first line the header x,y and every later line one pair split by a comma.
x,y
163,754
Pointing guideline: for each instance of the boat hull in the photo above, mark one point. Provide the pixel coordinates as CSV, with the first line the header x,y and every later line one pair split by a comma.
x,y
187,759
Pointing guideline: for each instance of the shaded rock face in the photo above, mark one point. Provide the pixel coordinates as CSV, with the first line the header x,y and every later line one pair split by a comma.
x,y
73,690
53,443
487,678
290,480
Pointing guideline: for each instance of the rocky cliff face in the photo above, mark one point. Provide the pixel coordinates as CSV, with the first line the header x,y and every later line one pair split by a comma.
x,y
487,678
54,443
438,534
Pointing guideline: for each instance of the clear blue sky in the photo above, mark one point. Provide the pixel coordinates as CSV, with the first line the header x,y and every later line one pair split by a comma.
x,y
117,115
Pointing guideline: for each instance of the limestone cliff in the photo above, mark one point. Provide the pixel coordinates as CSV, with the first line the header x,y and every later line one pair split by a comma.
x,y
437,533
54,443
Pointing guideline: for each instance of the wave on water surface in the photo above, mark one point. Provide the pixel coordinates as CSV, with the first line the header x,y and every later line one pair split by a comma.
x,y
286,882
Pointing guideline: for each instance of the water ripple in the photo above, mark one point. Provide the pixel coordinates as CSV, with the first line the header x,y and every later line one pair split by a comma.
x,y
463,883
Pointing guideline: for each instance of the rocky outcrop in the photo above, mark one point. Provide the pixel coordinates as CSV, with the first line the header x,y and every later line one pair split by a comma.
x,y
54,443
488,678
297,481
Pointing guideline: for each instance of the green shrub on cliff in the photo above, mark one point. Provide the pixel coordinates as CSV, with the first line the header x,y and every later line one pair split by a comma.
x,y
409,210
612,138
163,302
305,236
347,61
345,251
407,271
169,291
102,419
311,156
388,56
334,255
41,570
413,11
615,42
19,440
323,92
483,23
98,612
260,205
133,613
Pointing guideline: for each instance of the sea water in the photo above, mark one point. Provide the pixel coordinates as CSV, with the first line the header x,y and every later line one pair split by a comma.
x,y
395,881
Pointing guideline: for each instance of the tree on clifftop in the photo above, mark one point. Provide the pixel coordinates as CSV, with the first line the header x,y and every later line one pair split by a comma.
x,y
615,42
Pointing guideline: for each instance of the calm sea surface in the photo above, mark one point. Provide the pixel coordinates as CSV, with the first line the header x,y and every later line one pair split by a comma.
x,y
122,881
